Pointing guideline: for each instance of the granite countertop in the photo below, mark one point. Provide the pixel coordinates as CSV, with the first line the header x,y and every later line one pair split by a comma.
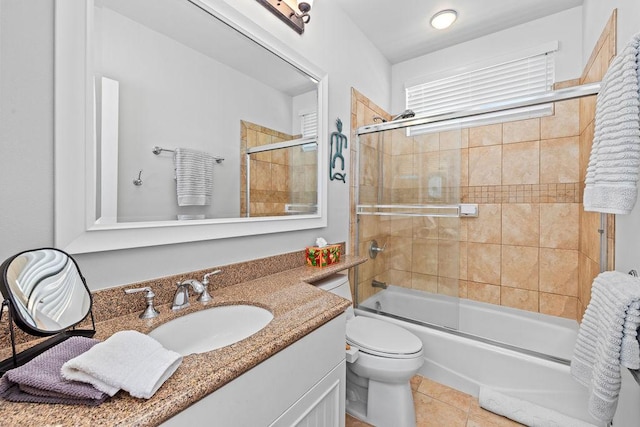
x,y
298,308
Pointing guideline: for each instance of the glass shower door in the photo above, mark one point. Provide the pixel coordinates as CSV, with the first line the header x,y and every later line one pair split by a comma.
x,y
408,197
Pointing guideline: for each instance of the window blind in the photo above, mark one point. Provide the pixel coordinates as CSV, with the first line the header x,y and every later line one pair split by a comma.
x,y
509,80
309,124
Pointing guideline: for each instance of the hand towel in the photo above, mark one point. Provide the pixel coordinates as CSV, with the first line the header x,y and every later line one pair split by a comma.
x,y
614,162
607,340
40,380
128,360
194,177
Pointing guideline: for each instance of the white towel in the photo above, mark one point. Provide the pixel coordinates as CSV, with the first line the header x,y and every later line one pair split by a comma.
x,y
525,412
607,340
194,177
614,163
127,360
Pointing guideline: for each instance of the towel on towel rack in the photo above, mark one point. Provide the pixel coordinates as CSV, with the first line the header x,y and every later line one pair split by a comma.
x,y
608,340
40,380
614,162
128,360
194,177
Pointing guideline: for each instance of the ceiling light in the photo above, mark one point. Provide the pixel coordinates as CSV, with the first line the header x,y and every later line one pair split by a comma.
x,y
444,19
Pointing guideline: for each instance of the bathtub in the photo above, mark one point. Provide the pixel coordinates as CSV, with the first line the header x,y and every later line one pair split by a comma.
x,y
525,355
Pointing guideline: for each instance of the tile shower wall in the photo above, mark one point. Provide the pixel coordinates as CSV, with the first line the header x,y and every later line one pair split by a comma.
x,y
589,246
522,250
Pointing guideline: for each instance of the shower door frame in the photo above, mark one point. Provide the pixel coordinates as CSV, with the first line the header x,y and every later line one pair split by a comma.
x,y
527,101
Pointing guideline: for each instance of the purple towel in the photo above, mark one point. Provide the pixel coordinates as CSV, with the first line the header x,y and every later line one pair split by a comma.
x,y
40,381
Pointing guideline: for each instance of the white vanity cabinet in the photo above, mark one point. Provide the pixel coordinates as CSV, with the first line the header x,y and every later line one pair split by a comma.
x,y
302,385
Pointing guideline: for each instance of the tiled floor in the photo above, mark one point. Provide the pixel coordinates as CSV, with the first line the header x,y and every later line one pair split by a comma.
x,y
440,406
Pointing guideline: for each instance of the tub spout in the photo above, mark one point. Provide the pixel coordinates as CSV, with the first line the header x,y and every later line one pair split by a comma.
x,y
378,284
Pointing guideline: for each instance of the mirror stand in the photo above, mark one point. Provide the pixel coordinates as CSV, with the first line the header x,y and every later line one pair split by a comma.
x,y
19,359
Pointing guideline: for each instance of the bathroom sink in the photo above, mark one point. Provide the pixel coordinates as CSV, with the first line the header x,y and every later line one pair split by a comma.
x,y
212,328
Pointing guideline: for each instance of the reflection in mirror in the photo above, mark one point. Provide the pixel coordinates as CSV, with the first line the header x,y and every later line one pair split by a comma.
x,y
46,292
281,175
169,74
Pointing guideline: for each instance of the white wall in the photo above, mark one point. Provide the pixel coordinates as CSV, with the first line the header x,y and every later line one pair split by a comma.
x,y
331,41
565,27
26,125
595,16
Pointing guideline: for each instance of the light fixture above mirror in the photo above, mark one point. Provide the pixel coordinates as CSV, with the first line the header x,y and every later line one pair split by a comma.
x,y
288,14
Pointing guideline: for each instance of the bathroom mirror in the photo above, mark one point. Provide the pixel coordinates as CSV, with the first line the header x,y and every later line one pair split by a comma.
x,y
45,290
137,79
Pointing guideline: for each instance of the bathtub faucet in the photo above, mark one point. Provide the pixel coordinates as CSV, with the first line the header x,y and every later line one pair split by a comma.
x,y
378,284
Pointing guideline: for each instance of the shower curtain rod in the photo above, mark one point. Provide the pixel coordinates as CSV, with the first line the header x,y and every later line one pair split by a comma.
x,y
527,101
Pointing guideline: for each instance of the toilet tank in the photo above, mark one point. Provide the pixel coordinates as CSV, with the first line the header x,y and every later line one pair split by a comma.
x,y
336,284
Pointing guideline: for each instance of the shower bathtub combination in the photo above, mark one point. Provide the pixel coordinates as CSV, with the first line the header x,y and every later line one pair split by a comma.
x,y
522,354
413,192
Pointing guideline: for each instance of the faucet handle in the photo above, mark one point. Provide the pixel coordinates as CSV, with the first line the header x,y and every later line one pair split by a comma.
x,y
150,312
204,296
205,279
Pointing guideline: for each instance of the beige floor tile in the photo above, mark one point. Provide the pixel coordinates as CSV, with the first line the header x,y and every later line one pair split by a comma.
x,y
354,422
445,394
434,413
416,380
474,421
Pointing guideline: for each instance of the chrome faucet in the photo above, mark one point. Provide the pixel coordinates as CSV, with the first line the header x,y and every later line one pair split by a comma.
x,y
181,298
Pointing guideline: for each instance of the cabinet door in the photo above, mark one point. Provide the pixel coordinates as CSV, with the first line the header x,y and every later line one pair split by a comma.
x,y
322,406
270,389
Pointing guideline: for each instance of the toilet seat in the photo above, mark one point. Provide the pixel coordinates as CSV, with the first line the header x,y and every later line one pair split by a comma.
x,y
381,338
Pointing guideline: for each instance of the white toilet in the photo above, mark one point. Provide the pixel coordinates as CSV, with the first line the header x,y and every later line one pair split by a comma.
x,y
378,389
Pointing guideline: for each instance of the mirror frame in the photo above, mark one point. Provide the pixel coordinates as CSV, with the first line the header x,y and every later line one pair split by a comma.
x,y
75,227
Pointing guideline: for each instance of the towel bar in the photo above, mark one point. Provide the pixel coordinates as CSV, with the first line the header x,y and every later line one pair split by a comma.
x,y
157,150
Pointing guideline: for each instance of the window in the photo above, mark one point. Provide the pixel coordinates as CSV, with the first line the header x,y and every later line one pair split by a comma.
x,y
512,79
309,124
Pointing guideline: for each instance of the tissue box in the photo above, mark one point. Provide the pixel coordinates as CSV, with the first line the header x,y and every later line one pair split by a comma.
x,y
322,257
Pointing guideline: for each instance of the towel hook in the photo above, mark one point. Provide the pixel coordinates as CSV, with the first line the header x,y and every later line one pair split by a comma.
x,y
138,181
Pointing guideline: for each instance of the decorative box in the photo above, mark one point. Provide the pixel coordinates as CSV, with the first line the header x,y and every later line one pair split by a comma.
x,y
322,257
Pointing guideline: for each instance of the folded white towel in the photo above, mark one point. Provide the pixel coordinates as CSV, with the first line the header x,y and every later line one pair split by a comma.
x,y
607,340
127,360
614,162
194,177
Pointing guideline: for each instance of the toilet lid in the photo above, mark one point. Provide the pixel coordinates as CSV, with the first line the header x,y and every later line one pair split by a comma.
x,y
382,338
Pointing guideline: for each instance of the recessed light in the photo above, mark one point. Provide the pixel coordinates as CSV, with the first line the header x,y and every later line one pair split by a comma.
x,y
444,19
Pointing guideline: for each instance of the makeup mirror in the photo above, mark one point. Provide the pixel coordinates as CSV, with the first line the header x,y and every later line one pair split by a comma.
x,y
46,295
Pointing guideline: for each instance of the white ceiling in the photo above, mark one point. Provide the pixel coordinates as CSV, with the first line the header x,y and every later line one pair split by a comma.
x,y
400,28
